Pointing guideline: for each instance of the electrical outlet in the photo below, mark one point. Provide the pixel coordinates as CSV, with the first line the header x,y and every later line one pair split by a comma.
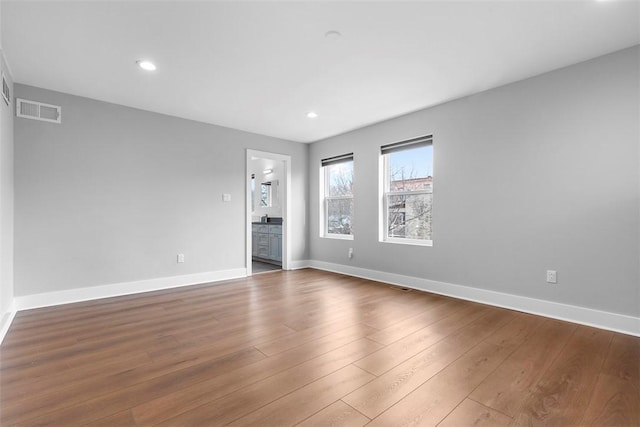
x,y
180,258
552,276
350,253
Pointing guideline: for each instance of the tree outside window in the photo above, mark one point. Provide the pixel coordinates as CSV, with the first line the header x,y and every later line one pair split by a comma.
x,y
338,196
408,191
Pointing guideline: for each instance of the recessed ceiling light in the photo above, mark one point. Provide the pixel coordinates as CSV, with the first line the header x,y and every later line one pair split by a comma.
x,y
333,34
146,65
312,114
267,171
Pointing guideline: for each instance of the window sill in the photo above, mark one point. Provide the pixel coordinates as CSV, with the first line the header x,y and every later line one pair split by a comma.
x,y
338,236
412,242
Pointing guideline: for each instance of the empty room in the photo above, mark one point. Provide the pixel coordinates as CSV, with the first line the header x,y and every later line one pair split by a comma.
x,y
320,213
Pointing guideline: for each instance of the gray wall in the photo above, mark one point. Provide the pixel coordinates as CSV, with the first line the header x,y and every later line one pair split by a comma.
x,y
113,193
540,174
6,198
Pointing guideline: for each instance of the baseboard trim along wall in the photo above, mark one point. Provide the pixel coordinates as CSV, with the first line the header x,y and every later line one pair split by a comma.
x,y
585,316
6,320
600,319
297,265
126,288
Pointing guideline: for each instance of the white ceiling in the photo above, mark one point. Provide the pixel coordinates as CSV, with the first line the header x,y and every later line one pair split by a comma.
x,y
261,66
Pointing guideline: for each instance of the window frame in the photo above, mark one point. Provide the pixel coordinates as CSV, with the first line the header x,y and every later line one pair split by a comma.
x,y
385,193
325,198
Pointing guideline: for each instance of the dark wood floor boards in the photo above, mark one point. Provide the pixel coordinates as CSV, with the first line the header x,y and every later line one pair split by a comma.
x,y
313,348
310,335
414,343
336,364
306,401
338,414
395,384
471,413
614,402
435,311
564,391
616,397
433,400
523,369
324,351
124,418
101,395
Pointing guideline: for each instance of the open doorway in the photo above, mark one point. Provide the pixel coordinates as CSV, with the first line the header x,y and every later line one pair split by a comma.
x,y
267,207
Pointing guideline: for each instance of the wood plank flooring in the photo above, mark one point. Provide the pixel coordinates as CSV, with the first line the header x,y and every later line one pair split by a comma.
x,y
310,348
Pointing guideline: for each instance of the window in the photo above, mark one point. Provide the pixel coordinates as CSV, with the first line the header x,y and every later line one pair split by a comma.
x,y
253,192
265,194
337,196
407,191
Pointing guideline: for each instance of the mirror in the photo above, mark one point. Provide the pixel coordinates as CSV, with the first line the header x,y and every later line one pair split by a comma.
x,y
269,194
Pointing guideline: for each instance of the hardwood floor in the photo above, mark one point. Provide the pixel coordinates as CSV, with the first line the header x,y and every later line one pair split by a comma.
x,y
310,348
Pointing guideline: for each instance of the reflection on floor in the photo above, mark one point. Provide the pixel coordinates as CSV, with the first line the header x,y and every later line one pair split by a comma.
x,y
262,267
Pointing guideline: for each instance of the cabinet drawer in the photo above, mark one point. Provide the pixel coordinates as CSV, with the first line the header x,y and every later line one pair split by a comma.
x,y
260,228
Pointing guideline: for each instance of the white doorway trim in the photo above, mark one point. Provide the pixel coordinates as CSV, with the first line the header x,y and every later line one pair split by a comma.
x,y
286,206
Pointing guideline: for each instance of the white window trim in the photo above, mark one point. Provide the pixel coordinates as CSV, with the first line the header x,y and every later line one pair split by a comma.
x,y
414,242
325,209
326,215
384,211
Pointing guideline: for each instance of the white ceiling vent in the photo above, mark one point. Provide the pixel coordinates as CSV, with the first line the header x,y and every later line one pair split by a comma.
x,y
38,111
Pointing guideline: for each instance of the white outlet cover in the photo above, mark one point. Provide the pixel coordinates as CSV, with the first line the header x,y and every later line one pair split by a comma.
x,y
226,197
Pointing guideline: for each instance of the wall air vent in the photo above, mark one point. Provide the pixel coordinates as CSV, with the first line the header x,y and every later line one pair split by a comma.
x,y
38,111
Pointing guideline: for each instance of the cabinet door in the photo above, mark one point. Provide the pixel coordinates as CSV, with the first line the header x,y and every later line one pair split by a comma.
x,y
263,245
275,247
279,247
254,244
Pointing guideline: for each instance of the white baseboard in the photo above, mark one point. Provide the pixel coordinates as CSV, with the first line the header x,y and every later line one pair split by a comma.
x,y
600,319
26,302
586,316
6,320
299,264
